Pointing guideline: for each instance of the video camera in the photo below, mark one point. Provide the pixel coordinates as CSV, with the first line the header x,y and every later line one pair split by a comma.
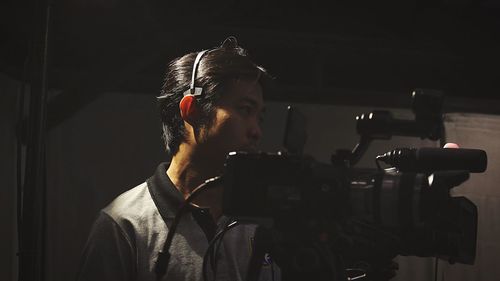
x,y
331,221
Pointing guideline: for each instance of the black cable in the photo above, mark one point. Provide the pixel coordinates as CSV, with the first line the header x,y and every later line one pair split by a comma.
x,y
164,255
213,258
205,265
213,254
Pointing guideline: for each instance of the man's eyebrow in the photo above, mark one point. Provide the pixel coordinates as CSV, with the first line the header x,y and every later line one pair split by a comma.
x,y
253,102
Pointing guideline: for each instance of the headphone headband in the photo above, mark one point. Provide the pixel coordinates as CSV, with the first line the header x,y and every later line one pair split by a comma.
x,y
195,91
229,42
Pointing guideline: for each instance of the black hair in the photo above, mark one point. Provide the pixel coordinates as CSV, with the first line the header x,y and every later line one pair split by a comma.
x,y
217,68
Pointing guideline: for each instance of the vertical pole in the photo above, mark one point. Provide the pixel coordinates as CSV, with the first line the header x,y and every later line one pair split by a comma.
x,y
31,247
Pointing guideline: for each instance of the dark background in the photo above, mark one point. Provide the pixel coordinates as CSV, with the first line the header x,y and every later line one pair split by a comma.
x,y
106,61
318,50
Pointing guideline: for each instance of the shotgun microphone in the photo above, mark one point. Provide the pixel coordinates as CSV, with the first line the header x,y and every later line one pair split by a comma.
x,y
427,159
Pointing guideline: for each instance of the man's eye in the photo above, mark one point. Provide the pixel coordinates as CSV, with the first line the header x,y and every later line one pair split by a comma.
x,y
246,109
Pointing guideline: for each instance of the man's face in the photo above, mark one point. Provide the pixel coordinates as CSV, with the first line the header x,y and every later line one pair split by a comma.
x,y
237,118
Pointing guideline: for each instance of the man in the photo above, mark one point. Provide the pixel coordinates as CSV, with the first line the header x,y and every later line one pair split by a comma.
x,y
202,121
211,103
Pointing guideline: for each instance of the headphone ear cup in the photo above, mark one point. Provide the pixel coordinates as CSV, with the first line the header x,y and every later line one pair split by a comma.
x,y
188,108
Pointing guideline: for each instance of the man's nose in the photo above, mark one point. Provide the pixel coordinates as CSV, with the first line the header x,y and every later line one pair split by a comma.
x,y
255,132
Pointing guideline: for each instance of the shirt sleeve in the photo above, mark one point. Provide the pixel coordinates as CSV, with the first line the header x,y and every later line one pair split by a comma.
x,y
108,254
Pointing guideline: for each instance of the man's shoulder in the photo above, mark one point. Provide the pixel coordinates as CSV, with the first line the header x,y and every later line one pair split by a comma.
x,y
133,204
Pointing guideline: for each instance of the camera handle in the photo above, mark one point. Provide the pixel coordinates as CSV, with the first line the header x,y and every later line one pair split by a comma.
x,y
427,106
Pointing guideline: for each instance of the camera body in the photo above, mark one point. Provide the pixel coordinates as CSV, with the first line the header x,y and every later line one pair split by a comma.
x,y
299,194
266,184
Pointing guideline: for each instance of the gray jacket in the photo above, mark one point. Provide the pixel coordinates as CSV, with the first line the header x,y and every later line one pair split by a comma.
x,y
130,232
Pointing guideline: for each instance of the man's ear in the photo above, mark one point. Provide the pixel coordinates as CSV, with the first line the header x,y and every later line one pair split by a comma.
x,y
188,108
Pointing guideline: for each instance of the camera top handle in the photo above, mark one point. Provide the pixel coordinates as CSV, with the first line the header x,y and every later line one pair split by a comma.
x,y
427,105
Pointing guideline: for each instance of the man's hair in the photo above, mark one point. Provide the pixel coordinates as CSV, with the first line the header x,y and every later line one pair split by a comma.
x,y
216,70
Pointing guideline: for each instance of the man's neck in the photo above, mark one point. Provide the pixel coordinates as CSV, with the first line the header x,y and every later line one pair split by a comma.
x,y
186,175
188,170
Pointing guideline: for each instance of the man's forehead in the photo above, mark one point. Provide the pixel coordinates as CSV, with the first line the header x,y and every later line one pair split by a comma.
x,y
249,91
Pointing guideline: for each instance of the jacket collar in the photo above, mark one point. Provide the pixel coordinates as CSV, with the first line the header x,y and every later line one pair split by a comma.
x,y
167,198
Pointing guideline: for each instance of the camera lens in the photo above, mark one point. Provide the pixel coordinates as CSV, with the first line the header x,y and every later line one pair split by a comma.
x,y
390,198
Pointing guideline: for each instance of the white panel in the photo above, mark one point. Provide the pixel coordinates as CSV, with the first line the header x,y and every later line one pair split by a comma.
x,y
483,132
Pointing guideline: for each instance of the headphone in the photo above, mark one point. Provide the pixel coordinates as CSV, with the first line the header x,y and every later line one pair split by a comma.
x,y
187,105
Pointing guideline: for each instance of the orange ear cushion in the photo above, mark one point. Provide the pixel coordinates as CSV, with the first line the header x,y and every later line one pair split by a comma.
x,y
188,107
